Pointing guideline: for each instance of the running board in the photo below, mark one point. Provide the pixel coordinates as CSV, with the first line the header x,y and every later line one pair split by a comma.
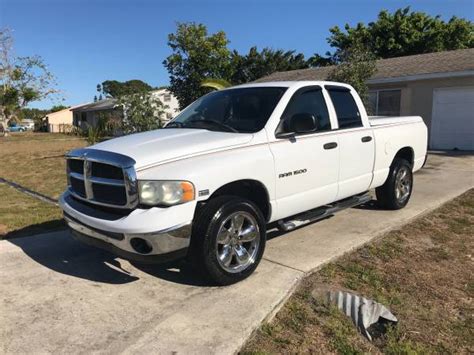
x,y
321,212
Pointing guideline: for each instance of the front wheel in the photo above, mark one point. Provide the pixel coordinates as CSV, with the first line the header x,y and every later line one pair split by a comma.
x,y
395,193
228,239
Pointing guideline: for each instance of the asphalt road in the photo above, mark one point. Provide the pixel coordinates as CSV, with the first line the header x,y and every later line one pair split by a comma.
x,y
57,295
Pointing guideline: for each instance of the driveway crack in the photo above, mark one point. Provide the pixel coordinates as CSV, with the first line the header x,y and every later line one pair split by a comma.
x,y
287,266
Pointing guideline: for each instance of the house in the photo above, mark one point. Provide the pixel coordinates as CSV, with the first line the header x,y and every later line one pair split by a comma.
x,y
437,86
59,121
169,101
28,123
89,114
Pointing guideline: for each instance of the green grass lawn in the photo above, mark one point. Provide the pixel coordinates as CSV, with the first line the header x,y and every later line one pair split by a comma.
x,y
424,273
22,215
35,161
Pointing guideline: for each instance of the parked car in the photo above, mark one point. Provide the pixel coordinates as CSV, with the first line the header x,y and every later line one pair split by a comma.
x,y
236,160
17,128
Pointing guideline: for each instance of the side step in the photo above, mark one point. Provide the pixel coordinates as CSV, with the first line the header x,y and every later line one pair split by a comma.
x,y
321,212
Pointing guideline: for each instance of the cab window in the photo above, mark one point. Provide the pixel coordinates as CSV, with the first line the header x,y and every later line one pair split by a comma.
x,y
311,101
348,115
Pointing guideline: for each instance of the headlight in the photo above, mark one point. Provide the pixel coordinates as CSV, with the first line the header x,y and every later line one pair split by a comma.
x,y
166,193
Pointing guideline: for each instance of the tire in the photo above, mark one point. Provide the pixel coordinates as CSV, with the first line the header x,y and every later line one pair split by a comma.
x,y
222,250
395,193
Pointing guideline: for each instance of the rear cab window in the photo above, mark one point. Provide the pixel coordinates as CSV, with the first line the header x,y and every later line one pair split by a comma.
x,y
347,111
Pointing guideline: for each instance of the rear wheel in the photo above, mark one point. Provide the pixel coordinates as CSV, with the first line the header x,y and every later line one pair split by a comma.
x,y
396,191
228,239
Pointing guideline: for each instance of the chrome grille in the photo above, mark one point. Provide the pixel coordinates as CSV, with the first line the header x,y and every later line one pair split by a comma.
x,y
102,178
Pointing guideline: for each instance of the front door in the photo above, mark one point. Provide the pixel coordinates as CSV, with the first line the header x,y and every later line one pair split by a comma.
x,y
307,165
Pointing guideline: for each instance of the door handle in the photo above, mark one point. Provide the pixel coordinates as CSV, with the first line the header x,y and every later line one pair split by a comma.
x,y
331,145
366,139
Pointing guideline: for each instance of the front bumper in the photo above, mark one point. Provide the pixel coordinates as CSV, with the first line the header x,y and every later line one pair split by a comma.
x,y
160,245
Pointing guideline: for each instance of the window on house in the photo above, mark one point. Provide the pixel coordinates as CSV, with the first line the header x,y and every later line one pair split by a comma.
x,y
347,112
84,116
385,102
167,97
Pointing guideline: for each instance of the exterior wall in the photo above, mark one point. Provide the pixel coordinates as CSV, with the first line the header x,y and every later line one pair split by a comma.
x,y
172,108
59,121
417,96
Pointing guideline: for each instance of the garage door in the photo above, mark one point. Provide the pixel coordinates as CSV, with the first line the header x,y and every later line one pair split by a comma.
x,y
452,123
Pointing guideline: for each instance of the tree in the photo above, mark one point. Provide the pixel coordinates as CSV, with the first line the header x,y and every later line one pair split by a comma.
x,y
401,33
57,108
356,66
32,114
200,60
141,112
255,64
196,55
116,89
22,80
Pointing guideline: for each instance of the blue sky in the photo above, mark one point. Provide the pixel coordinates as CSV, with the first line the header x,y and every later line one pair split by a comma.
x,y
85,42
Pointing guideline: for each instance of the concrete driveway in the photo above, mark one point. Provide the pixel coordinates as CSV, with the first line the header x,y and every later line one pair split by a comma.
x,y
57,295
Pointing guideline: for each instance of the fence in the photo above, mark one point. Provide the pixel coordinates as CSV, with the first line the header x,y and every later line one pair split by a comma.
x,y
60,128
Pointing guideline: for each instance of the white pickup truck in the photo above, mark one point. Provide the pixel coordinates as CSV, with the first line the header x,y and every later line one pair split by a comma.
x,y
207,186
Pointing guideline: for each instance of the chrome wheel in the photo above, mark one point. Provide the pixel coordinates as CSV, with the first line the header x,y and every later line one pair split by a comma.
x,y
238,240
403,184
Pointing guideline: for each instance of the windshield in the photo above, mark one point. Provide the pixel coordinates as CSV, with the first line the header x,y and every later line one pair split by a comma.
x,y
244,110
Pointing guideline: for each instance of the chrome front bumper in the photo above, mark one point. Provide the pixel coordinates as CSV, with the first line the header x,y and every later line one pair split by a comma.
x,y
160,246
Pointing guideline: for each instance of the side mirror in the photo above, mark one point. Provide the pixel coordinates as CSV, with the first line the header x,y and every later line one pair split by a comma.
x,y
302,123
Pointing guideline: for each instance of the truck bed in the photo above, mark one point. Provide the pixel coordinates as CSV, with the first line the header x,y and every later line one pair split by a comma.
x,y
375,121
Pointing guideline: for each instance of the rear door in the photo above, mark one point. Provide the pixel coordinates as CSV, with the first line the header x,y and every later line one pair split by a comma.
x,y
306,165
356,144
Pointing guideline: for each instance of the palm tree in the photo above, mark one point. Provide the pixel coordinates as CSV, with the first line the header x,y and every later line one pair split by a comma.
x,y
216,84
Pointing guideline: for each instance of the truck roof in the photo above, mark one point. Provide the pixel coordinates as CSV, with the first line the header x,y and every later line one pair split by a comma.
x,y
289,84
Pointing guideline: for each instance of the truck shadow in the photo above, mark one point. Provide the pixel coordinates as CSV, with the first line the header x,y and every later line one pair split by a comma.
x,y
179,271
60,252
371,205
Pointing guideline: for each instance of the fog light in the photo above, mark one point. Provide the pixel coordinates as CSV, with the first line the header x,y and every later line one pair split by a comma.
x,y
141,245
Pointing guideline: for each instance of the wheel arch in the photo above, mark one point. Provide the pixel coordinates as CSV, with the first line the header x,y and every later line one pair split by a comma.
x,y
406,153
250,189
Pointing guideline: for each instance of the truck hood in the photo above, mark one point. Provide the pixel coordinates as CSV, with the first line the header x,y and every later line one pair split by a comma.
x,y
164,145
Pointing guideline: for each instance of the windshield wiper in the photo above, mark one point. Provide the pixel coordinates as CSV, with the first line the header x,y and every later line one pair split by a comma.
x,y
216,123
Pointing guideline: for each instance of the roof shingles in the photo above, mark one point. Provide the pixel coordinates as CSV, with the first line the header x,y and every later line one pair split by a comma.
x,y
440,62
